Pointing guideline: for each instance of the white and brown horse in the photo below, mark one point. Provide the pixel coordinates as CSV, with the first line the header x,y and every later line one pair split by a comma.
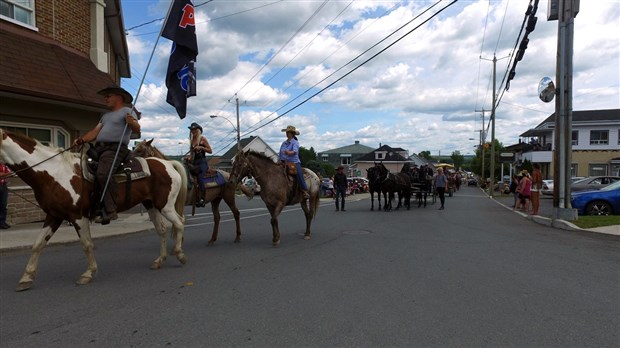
x,y
276,188
59,186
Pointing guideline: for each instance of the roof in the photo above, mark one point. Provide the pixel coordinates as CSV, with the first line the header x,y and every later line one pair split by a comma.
x,y
228,155
51,70
418,160
589,115
392,155
354,148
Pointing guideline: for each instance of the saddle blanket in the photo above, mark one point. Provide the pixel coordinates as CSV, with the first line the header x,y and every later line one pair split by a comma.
x,y
214,180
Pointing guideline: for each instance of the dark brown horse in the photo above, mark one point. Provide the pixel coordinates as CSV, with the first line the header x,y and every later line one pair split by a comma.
x,y
277,188
61,190
394,183
374,185
213,194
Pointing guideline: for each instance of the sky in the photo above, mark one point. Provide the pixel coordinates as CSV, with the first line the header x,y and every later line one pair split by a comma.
x,y
425,92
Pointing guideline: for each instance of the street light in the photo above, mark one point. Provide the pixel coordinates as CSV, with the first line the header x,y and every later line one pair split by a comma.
x,y
235,128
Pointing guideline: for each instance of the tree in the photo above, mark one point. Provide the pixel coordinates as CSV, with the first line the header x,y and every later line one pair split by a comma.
x,y
314,166
477,161
426,154
457,159
306,155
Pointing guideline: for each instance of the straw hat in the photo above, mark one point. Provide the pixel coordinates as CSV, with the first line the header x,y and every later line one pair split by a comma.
x,y
291,129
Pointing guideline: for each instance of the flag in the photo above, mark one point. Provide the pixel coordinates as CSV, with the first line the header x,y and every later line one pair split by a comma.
x,y
181,74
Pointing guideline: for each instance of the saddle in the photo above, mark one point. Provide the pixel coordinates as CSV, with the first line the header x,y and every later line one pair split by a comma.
x,y
213,178
131,168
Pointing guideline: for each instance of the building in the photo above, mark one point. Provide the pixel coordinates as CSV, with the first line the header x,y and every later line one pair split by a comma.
x,y
392,158
346,156
254,143
595,144
55,56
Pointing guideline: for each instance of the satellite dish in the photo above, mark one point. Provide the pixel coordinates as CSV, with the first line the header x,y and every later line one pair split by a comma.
x,y
546,89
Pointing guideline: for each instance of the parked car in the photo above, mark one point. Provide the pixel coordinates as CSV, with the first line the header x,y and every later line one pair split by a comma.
x,y
593,183
547,187
605,201
472,182
251,183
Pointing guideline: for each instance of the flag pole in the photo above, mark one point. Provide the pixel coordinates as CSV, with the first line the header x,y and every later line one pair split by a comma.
x,y
105,219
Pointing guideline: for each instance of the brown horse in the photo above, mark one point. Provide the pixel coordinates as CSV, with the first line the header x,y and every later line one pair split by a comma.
x,y
213,194
63,193
277,188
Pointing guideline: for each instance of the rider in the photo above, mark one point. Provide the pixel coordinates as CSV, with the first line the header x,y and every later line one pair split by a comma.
x,y
289,152
199,147
111,134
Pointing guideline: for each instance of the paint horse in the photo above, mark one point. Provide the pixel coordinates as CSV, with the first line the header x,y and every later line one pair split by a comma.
x,y
63,192
214,194
278,189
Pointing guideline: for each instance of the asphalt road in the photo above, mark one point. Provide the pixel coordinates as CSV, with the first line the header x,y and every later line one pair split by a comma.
x,y
475,274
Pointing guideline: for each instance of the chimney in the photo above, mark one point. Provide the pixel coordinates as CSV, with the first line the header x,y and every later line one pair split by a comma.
x,y
357,142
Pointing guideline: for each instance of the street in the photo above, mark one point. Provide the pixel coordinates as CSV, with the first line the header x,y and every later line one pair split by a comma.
x,y
475,274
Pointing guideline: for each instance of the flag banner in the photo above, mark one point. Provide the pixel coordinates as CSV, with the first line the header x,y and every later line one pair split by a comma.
x,y
181,74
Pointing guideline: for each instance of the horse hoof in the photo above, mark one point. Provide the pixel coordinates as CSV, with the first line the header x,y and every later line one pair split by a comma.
x,y
237,240
210,243
182,258
23,286
306,237
83,280
276,243
155,266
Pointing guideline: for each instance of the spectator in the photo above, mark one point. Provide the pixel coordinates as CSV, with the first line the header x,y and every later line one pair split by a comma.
x,y
514,184
4,195
340,184
536,187
440,184
524,189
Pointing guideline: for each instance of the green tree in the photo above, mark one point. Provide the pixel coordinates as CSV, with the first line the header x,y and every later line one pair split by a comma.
x,y
306,155
457,159
426,154
476,164
315,166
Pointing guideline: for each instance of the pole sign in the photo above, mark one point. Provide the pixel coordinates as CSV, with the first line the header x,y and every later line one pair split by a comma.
x,y
506,157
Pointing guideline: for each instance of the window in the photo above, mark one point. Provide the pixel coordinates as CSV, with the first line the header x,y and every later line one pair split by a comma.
x,y
573,170
599,137
345,160
575,138
379,155
51,136
18,11
597,169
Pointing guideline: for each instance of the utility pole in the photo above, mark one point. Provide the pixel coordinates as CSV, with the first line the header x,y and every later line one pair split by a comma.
x,y
562,158
482,142
238,131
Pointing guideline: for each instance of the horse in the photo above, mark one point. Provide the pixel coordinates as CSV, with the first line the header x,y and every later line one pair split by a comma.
x,y
213,194
63,193
374,185
277,188
394,183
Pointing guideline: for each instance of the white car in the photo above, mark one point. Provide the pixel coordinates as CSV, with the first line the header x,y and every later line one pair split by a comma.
x,y
251,183
547,187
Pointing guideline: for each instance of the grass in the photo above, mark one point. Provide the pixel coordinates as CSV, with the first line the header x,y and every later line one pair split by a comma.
x,y
597,221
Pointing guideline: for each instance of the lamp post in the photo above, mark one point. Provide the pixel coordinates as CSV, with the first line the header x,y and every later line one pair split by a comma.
x,y
235,128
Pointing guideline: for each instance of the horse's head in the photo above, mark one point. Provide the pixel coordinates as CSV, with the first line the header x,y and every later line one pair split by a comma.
x,y
240,168
146,149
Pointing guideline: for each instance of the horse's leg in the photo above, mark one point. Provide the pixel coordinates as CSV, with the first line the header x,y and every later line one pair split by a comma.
x,y
215,208
275,211
49,227
160,228
308,214
229,198
372,200
82,227
379,200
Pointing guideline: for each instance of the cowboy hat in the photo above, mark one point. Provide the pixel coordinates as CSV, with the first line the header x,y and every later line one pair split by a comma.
x,y
291,129
127,98
195,125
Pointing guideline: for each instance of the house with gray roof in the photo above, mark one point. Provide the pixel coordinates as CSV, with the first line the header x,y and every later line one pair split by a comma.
x,y
346,156
393,158
254,143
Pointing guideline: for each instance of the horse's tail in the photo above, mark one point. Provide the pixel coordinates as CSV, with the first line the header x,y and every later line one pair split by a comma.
x,y
179,205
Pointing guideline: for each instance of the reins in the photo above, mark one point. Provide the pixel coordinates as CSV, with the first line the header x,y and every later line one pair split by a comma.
x,y
41,162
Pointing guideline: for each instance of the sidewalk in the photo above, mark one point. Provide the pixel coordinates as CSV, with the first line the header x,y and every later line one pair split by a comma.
x,y
24,235
546,213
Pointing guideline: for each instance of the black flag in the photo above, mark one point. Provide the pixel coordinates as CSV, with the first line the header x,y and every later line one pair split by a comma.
x,y
181,74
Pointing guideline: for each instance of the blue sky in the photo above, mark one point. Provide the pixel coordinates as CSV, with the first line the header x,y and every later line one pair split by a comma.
x,y
420,94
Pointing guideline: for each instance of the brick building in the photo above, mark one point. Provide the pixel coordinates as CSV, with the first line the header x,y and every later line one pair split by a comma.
x,y
55,56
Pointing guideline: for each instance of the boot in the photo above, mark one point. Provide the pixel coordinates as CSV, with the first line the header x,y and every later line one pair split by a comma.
x,y
342,206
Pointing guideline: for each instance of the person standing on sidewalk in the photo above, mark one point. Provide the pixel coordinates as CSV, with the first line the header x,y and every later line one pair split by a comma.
x,y
536,187
4,194
340,184
440,185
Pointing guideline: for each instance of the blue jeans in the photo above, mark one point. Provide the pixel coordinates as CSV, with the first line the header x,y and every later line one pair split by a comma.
x,y
341,192
300,177
204,167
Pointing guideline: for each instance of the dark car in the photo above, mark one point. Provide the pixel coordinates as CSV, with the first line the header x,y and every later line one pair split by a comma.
x,y
605,201
593,183
472,182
